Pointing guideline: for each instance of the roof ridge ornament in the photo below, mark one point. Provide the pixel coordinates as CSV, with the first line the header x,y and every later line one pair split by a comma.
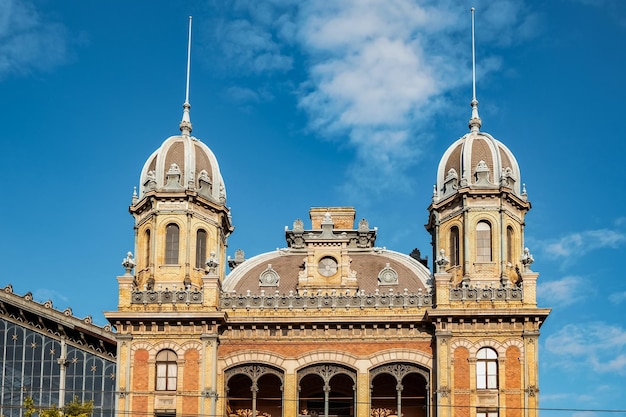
x,y
185,124
475,123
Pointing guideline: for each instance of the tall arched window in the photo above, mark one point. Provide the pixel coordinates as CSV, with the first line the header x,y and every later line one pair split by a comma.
x,y
483,242
171,244
486,369
200,248
148,243
454,246
166,370
509,245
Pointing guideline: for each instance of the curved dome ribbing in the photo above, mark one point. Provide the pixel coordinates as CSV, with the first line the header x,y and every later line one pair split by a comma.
x,y
197,165
477,160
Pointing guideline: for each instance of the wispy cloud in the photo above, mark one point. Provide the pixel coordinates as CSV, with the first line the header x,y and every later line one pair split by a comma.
x,y
29,42
599,346
563,292
373,72
580,243
618,297
42,295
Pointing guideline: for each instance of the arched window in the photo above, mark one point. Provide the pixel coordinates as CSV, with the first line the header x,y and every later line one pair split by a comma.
x,y
454,246
166,370
148,243
200,248
483,242
486,369
171,244
509,245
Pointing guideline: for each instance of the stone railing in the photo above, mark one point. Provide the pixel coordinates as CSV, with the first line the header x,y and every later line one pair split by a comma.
x,y
325,301
475,293
167,297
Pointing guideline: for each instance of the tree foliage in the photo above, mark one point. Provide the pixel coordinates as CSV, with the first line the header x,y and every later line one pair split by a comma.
x,y
74,408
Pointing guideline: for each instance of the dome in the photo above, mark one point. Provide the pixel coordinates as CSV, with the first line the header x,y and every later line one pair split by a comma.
x,y
478,161
375,270
183,163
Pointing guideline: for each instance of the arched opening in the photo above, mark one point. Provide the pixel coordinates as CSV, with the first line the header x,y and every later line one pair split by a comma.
x,y
486,369
254,390
509,245
326,390
239,395
454,246
166,370
483,242
270,396
201,248
399,390
172,235
147,248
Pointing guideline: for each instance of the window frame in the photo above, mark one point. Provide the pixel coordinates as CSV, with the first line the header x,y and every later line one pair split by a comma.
x,y
454,254
201,248
166,367
510,235
486,369
147,247
484,242
172,244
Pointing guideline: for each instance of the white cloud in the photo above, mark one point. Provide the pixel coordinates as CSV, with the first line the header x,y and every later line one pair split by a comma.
x,y
580,243
29,42
617,297
42,295
375,71
599,346
563,292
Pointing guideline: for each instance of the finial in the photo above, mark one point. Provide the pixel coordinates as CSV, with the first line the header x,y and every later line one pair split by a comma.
x,y
185,124
475,122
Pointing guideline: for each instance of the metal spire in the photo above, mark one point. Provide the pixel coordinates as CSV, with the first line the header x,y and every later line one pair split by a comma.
x,y
185,124
475,122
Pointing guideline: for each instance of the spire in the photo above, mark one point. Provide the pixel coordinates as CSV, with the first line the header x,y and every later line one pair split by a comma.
x,y
475,122
185,124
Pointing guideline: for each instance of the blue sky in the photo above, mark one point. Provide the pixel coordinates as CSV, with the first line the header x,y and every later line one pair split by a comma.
x,y
319,104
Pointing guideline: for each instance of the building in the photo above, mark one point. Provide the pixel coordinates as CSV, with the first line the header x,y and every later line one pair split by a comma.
x,y
332,324
53,357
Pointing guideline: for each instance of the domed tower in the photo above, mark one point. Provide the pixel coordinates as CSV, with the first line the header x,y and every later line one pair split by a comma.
x,y
485,309
180,212
168,312
478,209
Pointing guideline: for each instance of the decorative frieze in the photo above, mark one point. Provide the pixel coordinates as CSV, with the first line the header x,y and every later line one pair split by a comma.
x,y
333,300
475,293
191,296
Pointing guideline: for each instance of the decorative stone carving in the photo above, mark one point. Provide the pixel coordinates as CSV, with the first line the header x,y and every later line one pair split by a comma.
x,y
451,182
150,182
532,390
506,179
442,261
298,226
222,194
269,277
239,259
173,178
334,300
482,173
477,293
365,238
387,276
129,263
212,264
205,185
527,260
